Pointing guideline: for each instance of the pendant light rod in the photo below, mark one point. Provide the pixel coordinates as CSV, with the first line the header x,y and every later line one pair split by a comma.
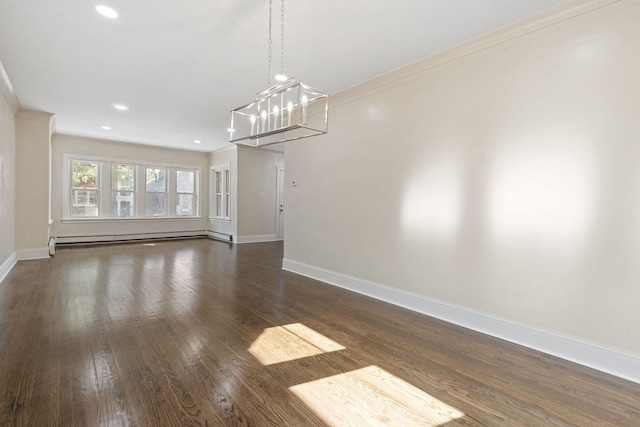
x,y
281,77
270,43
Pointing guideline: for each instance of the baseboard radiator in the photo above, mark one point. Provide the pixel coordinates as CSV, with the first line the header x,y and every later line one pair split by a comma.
x,y
220,236
135,237
121,238
52,246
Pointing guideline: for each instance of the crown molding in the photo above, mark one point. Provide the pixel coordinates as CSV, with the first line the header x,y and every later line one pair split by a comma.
x,y
232,147
6,89
555,19
40,116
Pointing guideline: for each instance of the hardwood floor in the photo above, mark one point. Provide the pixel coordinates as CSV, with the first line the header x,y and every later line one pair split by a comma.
x,y
198,332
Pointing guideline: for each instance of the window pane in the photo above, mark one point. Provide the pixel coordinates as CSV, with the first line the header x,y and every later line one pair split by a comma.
x,y
218,205
185,181
84,174
218,182
122,178
156,180
122,203
84,203
156,204
185,205
226,206
226,181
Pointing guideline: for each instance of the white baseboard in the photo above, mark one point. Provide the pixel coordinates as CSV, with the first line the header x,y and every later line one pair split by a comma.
x,y
7,265
38,253
587,354
257,239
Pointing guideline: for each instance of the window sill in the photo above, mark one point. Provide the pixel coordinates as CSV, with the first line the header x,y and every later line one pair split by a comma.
x,y
217,219
115,220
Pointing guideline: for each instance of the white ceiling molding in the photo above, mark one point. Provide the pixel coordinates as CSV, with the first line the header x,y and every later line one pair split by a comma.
x,y
526,29
7,90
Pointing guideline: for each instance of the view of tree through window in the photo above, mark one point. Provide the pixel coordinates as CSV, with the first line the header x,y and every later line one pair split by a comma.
x,y
84,189
100,189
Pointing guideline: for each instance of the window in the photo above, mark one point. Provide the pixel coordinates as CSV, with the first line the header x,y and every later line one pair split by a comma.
x,y
221,192
156,190
85,189
185,192
123,185
99,189
226,194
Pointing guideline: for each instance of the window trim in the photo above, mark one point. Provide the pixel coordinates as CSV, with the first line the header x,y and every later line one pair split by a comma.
x,y
194,193
97,189
133,191
226,184
165,192
104,202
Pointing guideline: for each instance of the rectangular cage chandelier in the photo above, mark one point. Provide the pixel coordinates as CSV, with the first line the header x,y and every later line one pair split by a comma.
x,y
284,112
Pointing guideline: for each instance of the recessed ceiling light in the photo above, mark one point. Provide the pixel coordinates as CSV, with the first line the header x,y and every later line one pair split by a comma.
x,y
107,12
106,127
120,107
197,141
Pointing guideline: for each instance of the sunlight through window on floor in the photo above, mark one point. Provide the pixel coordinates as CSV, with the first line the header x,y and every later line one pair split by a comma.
x,y
371,396
290,342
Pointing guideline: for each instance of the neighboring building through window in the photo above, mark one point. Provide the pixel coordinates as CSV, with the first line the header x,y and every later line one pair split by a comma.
x,y
185,192
123,190
156,192
98,188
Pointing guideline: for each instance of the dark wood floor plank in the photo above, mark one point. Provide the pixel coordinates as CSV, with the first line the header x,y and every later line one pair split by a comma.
x,y
18,366
172,333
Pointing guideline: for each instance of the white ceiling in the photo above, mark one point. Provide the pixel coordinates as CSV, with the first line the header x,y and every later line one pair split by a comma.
x,y
181,66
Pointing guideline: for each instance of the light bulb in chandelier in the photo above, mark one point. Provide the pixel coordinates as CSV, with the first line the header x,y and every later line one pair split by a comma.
x,y
276,113
252,119
304,101
289,111
280,78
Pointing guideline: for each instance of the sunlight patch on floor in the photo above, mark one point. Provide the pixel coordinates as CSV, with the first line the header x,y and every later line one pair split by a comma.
x,y
290,342
373,397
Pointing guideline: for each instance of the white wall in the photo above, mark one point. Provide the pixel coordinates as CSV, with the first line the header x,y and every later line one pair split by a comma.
x,y
33,142
501,177
257,188
9,106
253,192
62,144
227,156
